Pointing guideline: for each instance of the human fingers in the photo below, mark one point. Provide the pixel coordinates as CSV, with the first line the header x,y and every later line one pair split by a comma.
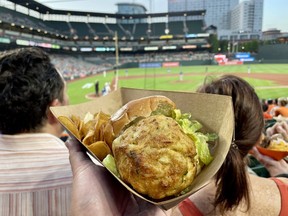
x,y
263,159
280,129
274,167
77,154
270,131
285,128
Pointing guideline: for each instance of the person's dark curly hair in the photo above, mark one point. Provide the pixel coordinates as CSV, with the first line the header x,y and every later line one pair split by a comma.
x,y
29,83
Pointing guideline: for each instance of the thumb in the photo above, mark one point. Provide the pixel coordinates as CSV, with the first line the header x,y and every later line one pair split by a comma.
x,y
77,154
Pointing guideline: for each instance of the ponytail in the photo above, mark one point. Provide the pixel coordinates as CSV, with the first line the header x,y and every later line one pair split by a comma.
x,y
232,178
232,182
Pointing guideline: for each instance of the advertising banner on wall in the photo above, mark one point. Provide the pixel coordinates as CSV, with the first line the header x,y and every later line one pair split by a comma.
x,y
223,60
170,64
244,57
150,65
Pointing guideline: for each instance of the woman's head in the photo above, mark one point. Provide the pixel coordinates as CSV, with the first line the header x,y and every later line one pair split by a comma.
x,y
282,101
248,113
231,178
28,85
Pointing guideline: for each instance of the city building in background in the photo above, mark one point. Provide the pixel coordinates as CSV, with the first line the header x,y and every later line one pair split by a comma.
x,y
217,11
127,10
247,16
131,8
234,21
274,34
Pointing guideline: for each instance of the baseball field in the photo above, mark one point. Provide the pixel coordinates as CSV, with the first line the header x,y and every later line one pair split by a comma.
x,y
269,80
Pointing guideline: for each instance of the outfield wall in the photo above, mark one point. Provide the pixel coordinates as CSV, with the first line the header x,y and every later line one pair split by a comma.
x,y
274,53
160,64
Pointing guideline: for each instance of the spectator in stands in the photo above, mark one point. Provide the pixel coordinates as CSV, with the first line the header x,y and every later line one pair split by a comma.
x,y
35,174
278,131
282,109
266,114
271,104
275,168
279,128
233,191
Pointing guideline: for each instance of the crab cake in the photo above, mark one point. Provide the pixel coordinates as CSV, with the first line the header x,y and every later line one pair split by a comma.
x,y
156,157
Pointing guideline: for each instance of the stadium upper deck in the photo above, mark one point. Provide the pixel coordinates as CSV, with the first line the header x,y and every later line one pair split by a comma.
x,y
134,35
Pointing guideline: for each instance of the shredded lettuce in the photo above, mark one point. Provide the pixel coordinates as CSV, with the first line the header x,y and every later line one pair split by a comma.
x,y
109,163
191,128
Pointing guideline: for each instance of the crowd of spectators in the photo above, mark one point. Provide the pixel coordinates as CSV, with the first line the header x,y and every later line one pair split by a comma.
x,y
275,114
275,108
73,67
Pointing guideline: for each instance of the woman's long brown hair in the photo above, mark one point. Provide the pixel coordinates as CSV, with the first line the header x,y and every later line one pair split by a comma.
x,y
231,180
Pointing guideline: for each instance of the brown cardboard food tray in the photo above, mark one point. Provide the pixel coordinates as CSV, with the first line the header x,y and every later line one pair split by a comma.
x,y
214,112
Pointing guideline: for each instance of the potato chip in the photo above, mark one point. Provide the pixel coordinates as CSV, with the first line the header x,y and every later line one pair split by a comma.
x,y
76,120
100,149
89,131
84,128
108,134
101,119
88,117
70,125
89,138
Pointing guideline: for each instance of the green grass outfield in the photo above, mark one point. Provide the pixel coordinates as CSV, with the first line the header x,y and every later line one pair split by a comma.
x,y
161,79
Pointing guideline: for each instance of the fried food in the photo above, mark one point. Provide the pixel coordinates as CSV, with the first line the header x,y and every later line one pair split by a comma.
x,y
278,145
68,123
148,144
156,157
89,131
100,149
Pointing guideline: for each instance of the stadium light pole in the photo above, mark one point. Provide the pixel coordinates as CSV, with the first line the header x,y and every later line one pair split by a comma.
x,y
117,60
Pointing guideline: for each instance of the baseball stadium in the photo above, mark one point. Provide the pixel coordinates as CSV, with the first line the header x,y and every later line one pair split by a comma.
x,y
141,52
183,112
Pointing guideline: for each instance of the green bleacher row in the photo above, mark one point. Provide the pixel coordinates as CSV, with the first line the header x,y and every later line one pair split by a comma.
x,y
91,30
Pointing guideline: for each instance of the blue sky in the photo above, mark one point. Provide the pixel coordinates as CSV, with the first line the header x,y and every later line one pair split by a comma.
x,y
275,13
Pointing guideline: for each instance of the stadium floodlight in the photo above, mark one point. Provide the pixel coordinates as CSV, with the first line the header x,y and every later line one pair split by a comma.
x,y
152,48
86,49
169,47
165,37
126,49
189,47
5,40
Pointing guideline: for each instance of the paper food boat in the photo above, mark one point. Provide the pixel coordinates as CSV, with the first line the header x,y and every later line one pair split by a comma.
x,y
214,112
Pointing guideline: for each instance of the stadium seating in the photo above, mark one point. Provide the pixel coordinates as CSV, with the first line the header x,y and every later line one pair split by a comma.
x,y
82,30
